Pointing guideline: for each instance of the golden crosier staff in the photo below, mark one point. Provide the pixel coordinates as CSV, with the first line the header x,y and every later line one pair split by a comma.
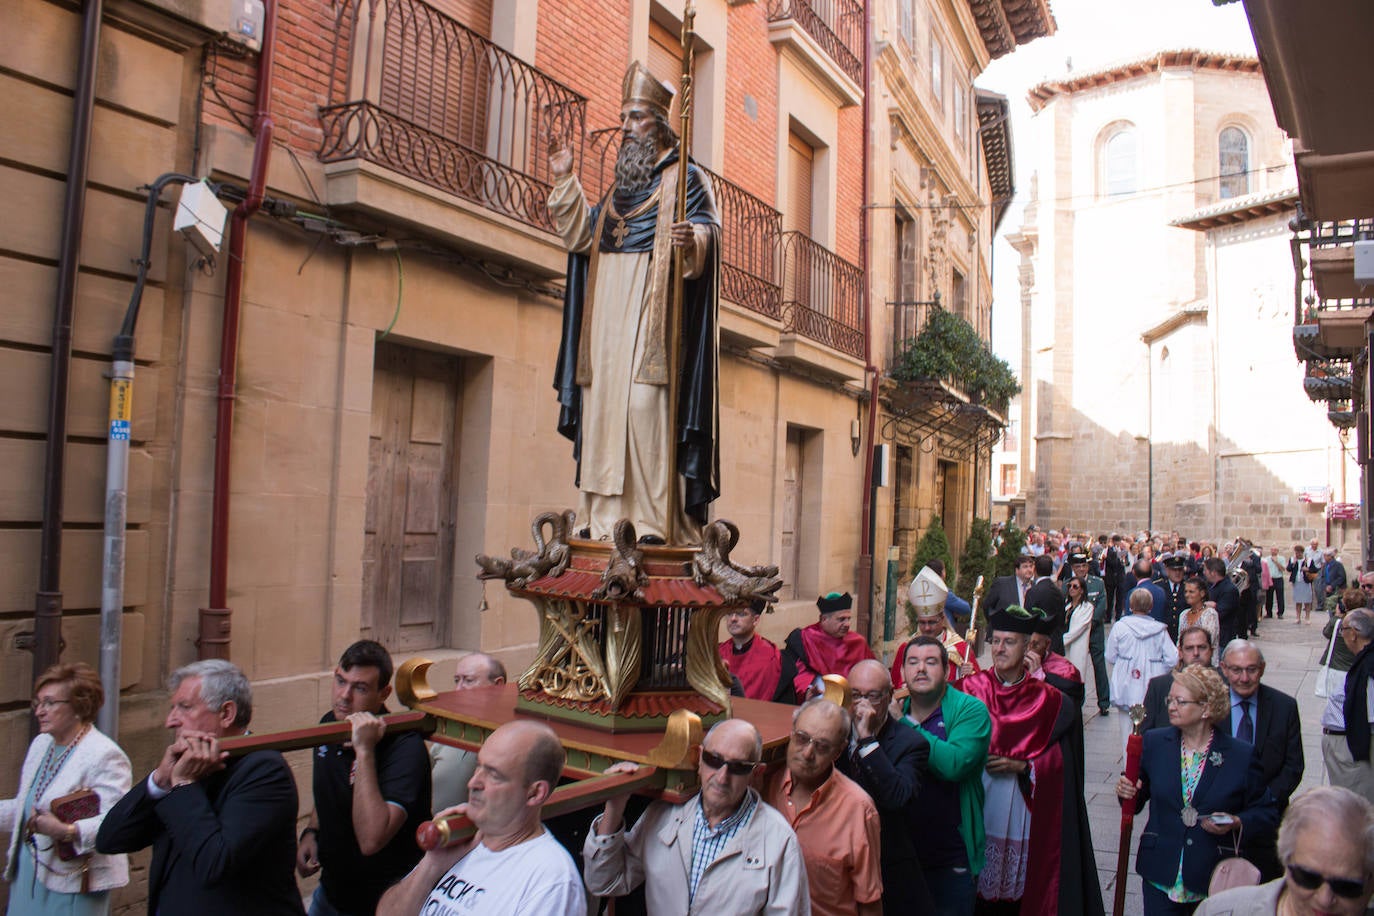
x,y
972,633
675,305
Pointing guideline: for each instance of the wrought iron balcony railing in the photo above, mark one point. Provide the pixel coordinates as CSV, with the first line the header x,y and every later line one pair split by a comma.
x,y
908,319
836,25
414,90
822,294
1344,232
749,228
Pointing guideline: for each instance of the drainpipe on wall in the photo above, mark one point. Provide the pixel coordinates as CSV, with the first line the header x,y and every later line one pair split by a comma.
x,y
47,622
867,524
214,630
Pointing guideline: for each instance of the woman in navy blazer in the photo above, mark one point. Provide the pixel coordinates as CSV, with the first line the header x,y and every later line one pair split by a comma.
x,y
1205,789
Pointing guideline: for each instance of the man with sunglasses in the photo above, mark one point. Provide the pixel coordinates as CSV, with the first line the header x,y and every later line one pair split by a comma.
x,y
836,822
721,852
1328,858
888,761
1268,719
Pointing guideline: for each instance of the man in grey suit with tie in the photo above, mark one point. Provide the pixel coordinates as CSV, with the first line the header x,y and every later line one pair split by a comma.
x,y
1268,719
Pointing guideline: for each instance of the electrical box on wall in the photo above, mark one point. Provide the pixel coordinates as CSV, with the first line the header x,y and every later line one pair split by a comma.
x,y
246,22
200,217
1364,261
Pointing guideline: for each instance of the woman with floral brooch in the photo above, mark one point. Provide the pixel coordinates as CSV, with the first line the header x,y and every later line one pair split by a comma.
x,y
53,867
1206,789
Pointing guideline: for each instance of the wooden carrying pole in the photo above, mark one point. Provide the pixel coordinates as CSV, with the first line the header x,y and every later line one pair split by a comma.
x,y
325,733
574,796
676,301
1123,852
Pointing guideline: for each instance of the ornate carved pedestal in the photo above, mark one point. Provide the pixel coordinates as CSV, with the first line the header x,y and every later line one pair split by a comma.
x,y
628,632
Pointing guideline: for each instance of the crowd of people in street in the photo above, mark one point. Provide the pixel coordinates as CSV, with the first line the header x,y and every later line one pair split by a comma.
x,y
943,786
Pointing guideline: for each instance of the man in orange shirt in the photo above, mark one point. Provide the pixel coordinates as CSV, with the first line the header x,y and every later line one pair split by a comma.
x,y
835,821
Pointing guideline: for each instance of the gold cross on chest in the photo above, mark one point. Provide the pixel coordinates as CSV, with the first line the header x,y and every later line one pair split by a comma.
x,y
620,231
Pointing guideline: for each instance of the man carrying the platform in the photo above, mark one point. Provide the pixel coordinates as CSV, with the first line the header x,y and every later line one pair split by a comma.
x,y
221,830
826,646
721,852
927,596
753,659
371,793
513,865
950,843
632,447
1040,856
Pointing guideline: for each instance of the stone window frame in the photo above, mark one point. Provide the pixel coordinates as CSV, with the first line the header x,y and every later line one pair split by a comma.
x,y
1105,177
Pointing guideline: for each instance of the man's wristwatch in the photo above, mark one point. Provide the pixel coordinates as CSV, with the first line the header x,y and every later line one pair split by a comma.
x,y
306,831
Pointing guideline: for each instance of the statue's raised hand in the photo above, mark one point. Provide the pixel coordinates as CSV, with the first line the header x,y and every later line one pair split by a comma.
x,y
560,159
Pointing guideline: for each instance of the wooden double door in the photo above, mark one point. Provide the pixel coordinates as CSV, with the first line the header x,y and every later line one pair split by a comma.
x,y
411,498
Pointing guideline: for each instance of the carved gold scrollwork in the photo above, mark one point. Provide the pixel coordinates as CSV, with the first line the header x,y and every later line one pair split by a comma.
x,y
571,668
705,671
624,649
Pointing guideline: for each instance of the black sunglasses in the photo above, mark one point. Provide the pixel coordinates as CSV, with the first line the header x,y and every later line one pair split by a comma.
x,y
1310,880
733,767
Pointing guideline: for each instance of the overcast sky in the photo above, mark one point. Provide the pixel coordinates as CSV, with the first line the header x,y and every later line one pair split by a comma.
x,y
1092,34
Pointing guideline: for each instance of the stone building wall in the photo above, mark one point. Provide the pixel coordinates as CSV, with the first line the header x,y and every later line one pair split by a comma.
x,y
1204,428
315,315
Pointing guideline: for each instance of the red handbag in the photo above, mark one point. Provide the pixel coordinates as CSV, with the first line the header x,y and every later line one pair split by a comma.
x,y
70,808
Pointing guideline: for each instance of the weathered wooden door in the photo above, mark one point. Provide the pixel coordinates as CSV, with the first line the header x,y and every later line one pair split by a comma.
x,y
408,542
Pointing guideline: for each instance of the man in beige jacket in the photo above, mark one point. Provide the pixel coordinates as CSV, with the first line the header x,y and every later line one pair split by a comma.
x,y
723,851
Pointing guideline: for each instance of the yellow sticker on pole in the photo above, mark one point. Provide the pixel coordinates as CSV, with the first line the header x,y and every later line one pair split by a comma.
x,y
121,407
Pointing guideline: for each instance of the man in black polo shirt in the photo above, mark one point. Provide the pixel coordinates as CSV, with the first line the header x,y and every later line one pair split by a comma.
x,y
371,794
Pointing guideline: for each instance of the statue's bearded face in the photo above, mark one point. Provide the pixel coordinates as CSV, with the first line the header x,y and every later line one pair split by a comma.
x,y
634,166
639,148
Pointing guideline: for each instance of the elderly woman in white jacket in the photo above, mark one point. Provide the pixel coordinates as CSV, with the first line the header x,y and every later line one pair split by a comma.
x,y
1138,649
53,867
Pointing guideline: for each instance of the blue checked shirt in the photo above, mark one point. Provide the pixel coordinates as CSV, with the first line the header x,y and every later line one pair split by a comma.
x,y
708,841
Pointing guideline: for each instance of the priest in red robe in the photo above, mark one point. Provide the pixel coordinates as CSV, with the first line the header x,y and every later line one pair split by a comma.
x,y
1039,850
754,660
825,647
927,594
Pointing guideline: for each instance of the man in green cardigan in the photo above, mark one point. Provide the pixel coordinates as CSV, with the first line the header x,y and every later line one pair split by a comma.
x,y
958,728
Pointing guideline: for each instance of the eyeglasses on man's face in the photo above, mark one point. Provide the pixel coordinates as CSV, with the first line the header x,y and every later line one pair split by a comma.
x,y
733,767
1309,880
876,697
802,740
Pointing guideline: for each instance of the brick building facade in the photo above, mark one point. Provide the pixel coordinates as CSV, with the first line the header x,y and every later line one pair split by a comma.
x,y
393,413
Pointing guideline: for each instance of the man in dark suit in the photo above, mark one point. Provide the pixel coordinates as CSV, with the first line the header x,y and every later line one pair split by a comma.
x,y
1225,597
223,832
1044,594
889,761
1268,719
1194,648
1113,572
1008,590
1172,585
